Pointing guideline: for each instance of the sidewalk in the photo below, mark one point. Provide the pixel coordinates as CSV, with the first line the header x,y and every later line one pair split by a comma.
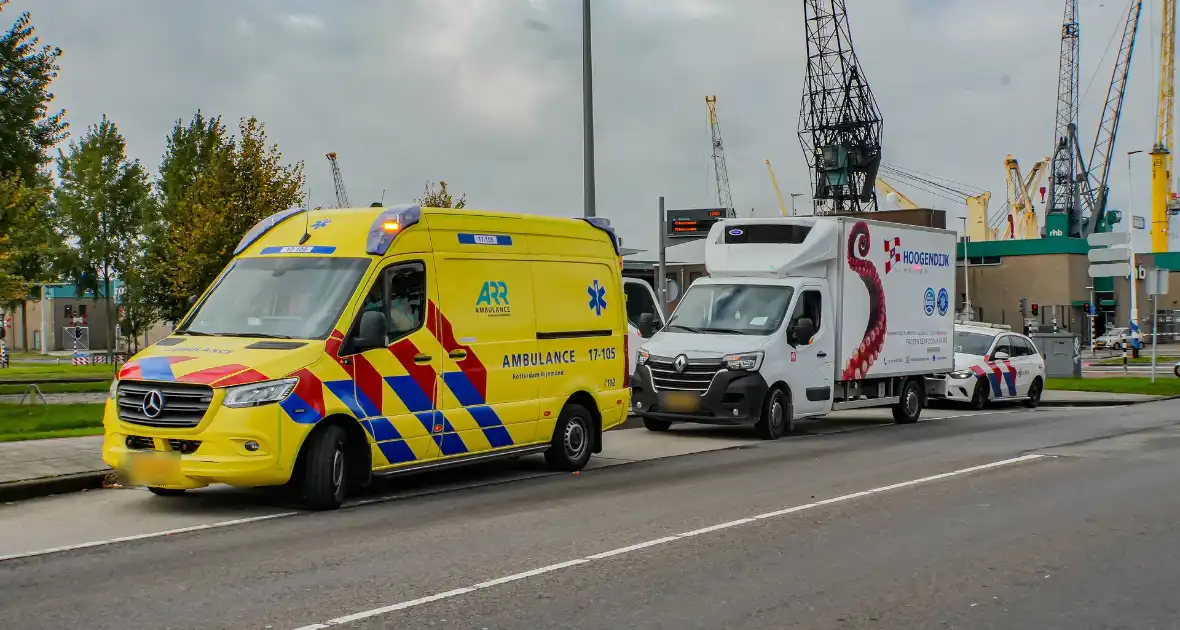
x,y
42,467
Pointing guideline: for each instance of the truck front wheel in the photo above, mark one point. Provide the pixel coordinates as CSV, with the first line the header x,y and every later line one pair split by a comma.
x,y
776,416
909,408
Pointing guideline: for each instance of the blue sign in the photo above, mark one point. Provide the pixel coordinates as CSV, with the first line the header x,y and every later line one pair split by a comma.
x,y
597,298
298,249
929,305
735,232
944,301
485,239
1093,309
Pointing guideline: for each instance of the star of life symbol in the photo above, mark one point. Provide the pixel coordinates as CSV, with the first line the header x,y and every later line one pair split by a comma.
x,y
321,223
597,297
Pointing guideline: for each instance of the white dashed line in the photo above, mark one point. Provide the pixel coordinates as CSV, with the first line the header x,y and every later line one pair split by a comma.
x,y
170,532
658,541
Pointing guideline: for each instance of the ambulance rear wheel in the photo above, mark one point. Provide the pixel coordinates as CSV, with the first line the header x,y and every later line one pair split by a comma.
x,y
572,440
979,397
324,478
165,492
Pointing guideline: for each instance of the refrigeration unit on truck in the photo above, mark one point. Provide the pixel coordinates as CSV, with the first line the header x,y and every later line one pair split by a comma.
x,y
800,317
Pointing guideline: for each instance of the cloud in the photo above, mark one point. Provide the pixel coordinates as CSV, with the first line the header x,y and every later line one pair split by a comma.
x,y
487,93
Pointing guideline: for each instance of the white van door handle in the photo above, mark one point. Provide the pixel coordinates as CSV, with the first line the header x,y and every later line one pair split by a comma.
x,y
821,354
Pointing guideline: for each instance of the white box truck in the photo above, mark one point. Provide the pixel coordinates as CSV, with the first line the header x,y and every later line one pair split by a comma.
x,y
800,317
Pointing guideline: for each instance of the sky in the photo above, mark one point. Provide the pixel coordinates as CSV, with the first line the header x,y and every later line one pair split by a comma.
x,y
486,94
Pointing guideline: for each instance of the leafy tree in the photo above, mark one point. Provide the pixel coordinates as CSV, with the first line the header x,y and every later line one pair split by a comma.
x,y
28,130
101,204
213,188
439,197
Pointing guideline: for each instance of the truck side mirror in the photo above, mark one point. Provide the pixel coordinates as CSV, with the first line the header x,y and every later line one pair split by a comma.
x,y
647,325
192,299
372,331
801,331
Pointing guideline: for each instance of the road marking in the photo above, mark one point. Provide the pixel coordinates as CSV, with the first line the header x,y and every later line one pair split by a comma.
x,y
658,541
170,532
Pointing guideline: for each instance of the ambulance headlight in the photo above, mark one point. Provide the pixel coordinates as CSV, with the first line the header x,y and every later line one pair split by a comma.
x,y
961,374
114,390
749,361
256,394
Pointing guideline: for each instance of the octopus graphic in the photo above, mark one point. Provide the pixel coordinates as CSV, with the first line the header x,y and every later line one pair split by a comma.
x,y
870,346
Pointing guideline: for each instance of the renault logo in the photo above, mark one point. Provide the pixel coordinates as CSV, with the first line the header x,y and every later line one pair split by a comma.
x,y
679,363
153,403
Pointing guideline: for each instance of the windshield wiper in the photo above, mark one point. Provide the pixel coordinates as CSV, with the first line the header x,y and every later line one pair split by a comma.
x,y
194,333
683,327
255,335
726,331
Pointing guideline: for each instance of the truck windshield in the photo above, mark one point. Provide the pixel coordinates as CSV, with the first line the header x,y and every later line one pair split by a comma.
x,y
279,297
740,309
972,343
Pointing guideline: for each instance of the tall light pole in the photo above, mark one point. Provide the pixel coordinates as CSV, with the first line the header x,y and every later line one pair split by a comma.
x,y
1131,246
587,113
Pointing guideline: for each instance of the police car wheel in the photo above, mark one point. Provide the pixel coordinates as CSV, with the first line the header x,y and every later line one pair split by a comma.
x,y
776,418
572,439
979,397
165,492
1176,370
1034,393
324,478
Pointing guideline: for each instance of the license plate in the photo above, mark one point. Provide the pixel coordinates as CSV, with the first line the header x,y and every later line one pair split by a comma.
x,y
153,469
680,402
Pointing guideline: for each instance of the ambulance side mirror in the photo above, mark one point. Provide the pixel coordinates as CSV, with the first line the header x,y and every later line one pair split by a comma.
x,y
372,331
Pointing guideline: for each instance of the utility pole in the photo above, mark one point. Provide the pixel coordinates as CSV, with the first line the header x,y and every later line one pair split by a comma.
x,y
587,113
1134,327
662,269
966,240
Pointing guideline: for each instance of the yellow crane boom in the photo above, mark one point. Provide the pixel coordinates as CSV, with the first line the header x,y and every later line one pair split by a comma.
x,y
903,202
1162,204
782,208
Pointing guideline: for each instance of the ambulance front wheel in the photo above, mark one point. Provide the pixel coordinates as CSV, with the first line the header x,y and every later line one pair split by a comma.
x,y
324,467
572,439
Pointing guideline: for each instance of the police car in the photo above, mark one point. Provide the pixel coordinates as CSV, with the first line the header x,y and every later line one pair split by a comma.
x,y
994,364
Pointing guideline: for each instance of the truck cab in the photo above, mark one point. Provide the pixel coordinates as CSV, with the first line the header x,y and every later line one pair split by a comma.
x,y
790,323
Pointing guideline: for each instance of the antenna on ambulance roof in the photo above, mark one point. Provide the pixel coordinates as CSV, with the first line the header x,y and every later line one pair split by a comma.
x,y
306,219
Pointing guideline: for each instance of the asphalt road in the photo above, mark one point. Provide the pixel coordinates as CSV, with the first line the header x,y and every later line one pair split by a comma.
x,y
1048,519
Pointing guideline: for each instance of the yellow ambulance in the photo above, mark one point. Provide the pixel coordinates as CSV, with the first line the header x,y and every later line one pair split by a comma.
x,y
346,343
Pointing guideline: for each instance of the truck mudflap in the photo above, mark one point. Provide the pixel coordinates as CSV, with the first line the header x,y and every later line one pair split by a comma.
x,y
936,386
733,397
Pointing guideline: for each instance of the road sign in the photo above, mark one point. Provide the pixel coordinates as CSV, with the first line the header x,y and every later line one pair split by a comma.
x,y
1110,270
1109,254
694,223
1106,239
1157,281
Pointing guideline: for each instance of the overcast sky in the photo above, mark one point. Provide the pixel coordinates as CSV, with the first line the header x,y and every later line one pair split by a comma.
x,y
486,94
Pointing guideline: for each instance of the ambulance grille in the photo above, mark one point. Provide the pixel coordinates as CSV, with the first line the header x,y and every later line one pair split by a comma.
x,y
184,404
697,376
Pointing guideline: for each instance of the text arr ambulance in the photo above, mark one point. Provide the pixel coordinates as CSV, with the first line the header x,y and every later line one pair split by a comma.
x,y
800,317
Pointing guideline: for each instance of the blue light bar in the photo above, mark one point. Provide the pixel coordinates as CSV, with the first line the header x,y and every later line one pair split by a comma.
x,y
264,226
391,222
603,224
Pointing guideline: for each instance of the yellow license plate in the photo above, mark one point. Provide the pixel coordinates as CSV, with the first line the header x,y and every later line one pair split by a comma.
x,y
680,402
153,469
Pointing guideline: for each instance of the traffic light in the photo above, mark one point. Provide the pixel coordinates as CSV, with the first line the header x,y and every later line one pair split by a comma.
x,y
1024,306
1086,308
1035,310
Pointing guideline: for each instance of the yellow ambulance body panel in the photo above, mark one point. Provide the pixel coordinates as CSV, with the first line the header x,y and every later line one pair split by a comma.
x,y
342,343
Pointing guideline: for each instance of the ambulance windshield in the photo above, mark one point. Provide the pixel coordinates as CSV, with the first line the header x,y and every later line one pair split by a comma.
x,y
737,309
278,297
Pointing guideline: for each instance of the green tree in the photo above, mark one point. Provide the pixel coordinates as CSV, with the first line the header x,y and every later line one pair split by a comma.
x,y
28,130
101,205
213,188
439,197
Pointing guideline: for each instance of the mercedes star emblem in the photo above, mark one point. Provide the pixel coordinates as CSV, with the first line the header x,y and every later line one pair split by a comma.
x,y
679,363
153,403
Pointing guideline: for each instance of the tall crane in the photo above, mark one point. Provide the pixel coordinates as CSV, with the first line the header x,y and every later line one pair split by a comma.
x,y
1097,189
782,207
887,189
1063,215
840,123
1162,203
724,197
338,181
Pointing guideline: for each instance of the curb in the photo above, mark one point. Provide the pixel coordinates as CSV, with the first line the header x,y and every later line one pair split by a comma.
x,y
45,486
1103,403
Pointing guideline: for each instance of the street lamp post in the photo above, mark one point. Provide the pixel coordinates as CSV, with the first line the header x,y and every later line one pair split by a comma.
x,y
1134,327
587,113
